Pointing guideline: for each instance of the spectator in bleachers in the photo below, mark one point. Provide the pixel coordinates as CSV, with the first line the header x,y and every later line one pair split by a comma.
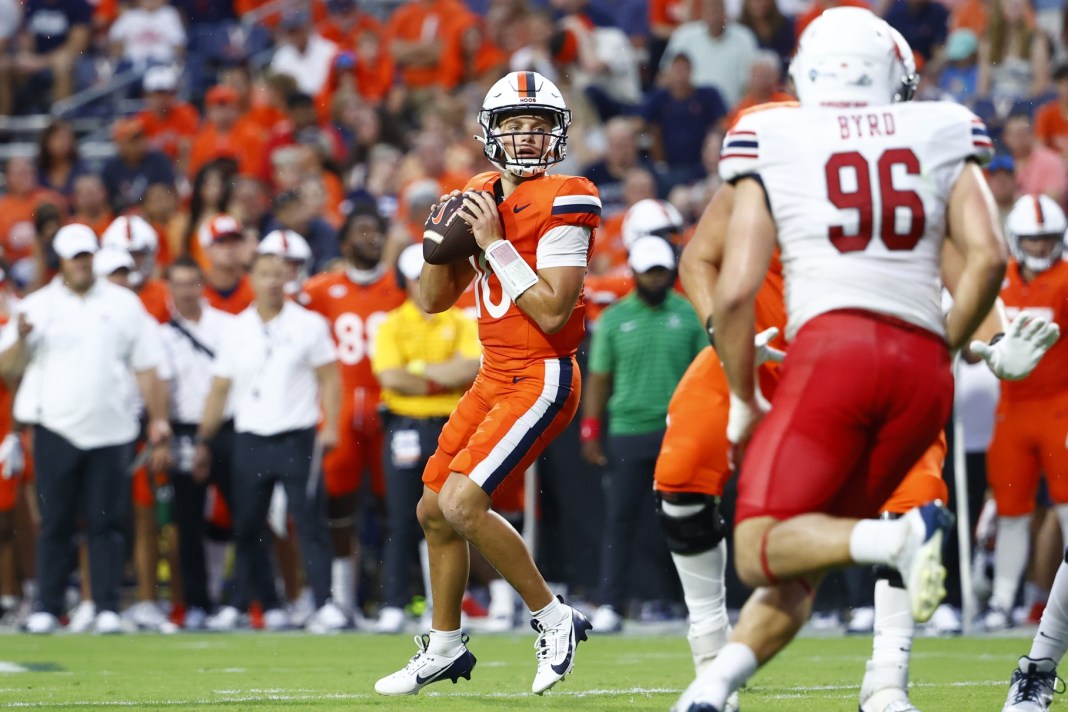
x,y
303,54
609,251
262,104
678,115
1001,177
210,197
36,271
296,210
10,21
170,124
374,68
160,208
418,32
959,78
543,44
58,164
621,154
135,167
664,17
773,31
923,23
54,34
149,33
222,135
765,84
250,204
1039,170
471,56
721,50
89,203
1051,120
301,126
1013,55
344,24
22,196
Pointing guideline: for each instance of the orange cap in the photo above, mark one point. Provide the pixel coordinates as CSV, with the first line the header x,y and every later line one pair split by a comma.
x,y
220,94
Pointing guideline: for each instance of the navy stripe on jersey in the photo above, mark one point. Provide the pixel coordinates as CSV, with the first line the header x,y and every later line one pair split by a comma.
x,y
577,210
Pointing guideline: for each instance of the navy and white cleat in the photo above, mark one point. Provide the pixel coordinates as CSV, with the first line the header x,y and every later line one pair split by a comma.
x,y
1033,684
426,667
555,648
920,561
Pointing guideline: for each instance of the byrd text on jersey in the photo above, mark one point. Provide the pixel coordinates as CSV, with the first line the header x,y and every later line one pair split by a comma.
x,y
866,124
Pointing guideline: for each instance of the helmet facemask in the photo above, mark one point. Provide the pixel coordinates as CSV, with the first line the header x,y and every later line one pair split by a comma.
x,y
1034,262
503,149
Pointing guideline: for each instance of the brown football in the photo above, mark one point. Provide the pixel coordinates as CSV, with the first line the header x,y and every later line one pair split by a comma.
x,y
447,237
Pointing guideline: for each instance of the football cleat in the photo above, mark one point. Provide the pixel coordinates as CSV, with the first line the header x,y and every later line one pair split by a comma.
x,y
920,561
426,667
606,620
555,648
82,617
885,689
1033,684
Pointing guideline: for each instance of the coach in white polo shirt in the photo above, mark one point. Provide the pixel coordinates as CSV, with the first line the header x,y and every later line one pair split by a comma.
x,y
277,364
73,345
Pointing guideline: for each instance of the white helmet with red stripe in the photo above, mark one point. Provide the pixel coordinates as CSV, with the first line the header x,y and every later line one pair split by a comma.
x,y
1036,217
651,217
848,56
133,234
292,248
523,93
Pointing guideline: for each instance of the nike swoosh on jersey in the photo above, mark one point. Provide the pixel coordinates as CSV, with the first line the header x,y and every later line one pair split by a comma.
x,y
520,208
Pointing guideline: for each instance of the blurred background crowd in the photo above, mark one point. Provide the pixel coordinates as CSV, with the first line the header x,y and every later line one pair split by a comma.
x,y
300,115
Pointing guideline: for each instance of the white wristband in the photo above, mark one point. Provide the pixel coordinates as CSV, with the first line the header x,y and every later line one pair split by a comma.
x,y
515,274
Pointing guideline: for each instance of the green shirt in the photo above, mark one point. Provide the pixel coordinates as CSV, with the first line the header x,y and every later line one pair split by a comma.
x,y
646,350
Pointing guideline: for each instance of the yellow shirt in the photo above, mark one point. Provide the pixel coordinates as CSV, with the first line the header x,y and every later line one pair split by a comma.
x,y
407,335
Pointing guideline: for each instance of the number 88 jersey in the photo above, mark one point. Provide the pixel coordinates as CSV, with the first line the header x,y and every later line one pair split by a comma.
x,y
354,312
859,196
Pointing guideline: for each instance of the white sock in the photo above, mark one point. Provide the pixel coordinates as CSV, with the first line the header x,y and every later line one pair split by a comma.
x,y
215,563
875,541
1010,559
894,627
445,642
735,664
703,587
342,582
502,598
553,614
1052,637
1062,517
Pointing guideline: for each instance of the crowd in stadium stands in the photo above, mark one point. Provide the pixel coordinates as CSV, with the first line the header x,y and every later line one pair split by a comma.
x,y
336,119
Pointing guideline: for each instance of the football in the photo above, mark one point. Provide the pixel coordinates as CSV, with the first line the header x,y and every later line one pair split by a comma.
x,y
447,237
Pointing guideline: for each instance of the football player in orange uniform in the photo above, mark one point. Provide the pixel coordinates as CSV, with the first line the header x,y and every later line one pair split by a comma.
x,y
693,468
535,231
354,302
1032,416
133,234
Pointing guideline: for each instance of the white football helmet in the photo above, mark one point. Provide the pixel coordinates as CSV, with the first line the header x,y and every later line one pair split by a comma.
x,y
848,56
1036,216
292,248
133,234
651,217
523,93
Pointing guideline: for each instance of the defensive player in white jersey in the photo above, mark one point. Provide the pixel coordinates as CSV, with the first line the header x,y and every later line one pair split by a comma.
x,y
858,190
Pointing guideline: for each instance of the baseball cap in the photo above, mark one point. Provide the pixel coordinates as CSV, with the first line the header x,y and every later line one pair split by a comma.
x,y
649,252
219,227
961,44
220,94
161,79
1001,162
410,263
73,240
110,259
128,128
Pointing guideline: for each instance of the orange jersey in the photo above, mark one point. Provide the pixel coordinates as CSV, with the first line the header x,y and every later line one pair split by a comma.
x,y
234,301
157,299
510,339
98,225
243,143
354,312
1046,295
418,22
167,132
602,290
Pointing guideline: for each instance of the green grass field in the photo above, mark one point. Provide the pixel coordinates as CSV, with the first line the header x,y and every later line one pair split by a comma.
x,y
298,671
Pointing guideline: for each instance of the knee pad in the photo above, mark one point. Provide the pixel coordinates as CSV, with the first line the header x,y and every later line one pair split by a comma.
x,y
886,573
693,533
